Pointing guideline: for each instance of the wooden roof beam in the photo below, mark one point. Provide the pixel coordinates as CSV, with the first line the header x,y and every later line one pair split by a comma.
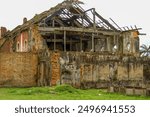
x,y
74,29
105,21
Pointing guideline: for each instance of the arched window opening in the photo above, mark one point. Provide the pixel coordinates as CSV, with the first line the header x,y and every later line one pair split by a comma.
x,y
18,47
128,46
115,48
25,45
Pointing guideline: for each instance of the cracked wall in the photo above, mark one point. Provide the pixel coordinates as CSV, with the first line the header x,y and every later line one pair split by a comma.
x,y
91,70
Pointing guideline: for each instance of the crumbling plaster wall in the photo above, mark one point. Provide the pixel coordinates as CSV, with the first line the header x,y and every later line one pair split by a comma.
x,y
93,70
146,68
36,41
88,70
131,43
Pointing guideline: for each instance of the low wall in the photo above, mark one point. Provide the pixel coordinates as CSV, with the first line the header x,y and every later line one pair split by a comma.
x,y
93,70
82,70
18,69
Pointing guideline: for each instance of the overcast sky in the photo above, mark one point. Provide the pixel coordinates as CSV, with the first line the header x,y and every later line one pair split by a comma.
x,y
123,12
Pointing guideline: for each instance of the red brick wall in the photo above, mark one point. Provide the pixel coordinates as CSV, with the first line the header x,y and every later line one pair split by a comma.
x,y
55,68
3,30
21,38
7,46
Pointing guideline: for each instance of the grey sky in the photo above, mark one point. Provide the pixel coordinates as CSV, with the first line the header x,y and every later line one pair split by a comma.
x,y
123,12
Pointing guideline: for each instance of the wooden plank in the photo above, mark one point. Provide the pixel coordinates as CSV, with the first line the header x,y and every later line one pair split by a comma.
x,y
72,34
61,41
64,40
59,22
79,11
81,43
94,19
105,21
74,29
93,44
54,41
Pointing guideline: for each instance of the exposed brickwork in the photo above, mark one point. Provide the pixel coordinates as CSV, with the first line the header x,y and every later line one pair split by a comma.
x,y
79,70
55,68
18,69
3,30
37,39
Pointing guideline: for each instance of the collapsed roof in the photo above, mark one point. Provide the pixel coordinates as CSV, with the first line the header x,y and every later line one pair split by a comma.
x,y
69,13
66,12
82,26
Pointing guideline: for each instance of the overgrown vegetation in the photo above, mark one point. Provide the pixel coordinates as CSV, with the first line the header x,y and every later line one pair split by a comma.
x,y
63,92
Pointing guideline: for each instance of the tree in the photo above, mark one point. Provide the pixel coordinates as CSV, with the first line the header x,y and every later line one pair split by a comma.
x,y
145,50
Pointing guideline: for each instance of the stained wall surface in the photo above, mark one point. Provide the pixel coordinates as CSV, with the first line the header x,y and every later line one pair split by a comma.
x,y
18,69
95,70
88,70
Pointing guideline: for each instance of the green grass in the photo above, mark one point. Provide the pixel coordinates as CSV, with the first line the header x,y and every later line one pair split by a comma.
x,y
63,92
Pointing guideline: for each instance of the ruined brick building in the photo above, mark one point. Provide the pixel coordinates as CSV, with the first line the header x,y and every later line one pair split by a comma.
x,y
67,44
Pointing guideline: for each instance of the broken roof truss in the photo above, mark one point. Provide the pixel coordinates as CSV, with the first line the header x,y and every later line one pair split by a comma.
x,y
72,14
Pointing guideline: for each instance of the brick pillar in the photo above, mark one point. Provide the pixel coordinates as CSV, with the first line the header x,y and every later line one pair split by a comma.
x,y
3,30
